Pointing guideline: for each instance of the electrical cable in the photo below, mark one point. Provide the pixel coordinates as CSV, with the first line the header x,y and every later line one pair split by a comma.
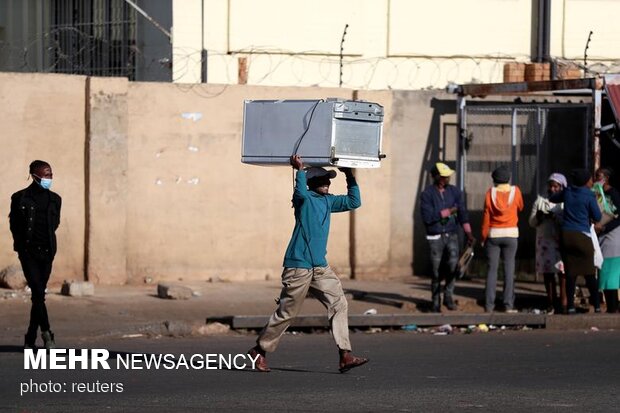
x,y
303,135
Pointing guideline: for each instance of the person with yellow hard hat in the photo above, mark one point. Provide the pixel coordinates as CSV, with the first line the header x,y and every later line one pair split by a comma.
x,y
443,212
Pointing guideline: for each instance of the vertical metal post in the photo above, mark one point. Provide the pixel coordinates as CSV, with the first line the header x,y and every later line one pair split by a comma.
x,y
596,143
344,33
513,147
87,188
539,136
203,52
461,121
352,225
204,55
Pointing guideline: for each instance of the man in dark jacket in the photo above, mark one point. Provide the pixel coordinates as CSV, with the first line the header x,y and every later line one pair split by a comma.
x,y
34,218
443,209
305,266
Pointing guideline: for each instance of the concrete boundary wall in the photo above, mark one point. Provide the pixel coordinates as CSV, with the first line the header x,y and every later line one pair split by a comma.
x,y
153,186
43,117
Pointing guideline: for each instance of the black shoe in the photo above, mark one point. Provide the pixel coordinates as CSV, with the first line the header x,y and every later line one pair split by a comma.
x,y
451,306
436,308
30,341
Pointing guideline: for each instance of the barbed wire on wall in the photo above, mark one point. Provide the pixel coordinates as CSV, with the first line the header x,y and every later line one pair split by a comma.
x,y
309,68
72,51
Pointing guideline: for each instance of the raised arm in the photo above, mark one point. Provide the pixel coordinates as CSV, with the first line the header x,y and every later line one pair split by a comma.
x,y
352,199
301,183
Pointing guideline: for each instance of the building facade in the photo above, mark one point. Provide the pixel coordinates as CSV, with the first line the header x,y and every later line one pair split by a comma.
x,y
361,44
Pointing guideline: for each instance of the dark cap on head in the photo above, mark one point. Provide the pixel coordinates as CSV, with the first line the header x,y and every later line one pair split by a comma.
x,y
501,175
580,176
318,172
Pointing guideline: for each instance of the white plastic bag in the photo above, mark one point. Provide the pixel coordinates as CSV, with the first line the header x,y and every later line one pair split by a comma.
x,y
598,254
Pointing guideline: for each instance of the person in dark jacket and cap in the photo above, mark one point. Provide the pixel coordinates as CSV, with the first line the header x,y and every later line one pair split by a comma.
x,y
443,211
34,218
305,265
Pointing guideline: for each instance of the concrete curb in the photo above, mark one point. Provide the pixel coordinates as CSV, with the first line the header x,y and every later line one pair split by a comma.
x,y
554,322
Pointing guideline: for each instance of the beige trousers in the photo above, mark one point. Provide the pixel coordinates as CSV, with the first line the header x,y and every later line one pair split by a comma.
x,y
325,285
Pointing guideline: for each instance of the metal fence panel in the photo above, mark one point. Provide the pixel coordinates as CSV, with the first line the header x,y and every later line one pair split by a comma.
x,y
92,37
533,140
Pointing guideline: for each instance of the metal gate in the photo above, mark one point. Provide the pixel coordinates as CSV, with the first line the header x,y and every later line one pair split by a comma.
x,y
534,140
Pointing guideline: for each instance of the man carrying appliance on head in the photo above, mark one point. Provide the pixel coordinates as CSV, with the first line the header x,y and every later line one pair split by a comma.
x,y
305,265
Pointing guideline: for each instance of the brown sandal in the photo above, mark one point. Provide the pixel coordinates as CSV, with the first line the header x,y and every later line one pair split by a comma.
x,y
348,362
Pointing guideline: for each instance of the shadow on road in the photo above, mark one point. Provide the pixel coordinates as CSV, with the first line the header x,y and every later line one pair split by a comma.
x,y
11,349
303,371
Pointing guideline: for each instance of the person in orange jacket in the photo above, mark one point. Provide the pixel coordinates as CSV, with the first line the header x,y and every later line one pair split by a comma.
x,y
500,235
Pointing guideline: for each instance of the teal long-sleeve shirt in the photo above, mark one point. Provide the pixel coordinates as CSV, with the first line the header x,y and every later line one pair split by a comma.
x,y
308,245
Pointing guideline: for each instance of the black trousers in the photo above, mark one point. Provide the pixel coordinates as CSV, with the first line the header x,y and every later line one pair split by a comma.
x,y
611,298
37,267
591,283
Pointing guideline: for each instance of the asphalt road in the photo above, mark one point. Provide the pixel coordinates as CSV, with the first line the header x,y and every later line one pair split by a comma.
x,y
511,371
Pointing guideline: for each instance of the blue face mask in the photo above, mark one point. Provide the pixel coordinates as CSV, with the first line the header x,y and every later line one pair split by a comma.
x,y
45,183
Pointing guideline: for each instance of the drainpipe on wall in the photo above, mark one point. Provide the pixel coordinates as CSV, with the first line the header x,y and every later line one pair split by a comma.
x,y
541,31
546,30
203,52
